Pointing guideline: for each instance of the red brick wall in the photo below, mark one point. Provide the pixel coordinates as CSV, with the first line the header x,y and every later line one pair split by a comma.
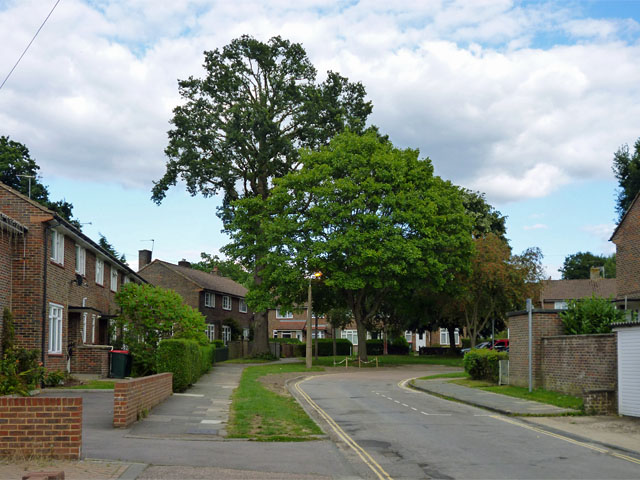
x,y
92,359
133,397
545,323
627,240
49,427
574,364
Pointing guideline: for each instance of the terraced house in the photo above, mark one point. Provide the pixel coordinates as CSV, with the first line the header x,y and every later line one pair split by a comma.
x,y
59,284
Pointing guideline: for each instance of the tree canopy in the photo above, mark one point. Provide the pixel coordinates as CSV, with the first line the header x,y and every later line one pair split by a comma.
x,y
578,265
626,167
241,126
226,268
16,166
590,315
104,243
372,218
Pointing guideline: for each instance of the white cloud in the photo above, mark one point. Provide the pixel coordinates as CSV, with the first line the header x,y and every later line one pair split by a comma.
x,y
602,232
537,226
460,80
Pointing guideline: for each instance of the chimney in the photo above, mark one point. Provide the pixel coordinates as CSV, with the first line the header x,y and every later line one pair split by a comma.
x,y
596,273
184,263
215,270
144,258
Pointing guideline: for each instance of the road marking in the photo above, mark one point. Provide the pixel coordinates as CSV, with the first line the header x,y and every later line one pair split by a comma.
x,y
567,439
396,401
414,409
362,453
405,405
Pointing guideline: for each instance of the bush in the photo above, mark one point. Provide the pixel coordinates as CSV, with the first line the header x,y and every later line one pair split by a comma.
x,y
375,347
218,343
398,346
183,358
207,352
466,343
483,364
286,340
590,315
325,347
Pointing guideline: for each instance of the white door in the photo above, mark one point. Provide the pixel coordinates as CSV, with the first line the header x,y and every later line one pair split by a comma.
x,y
628,368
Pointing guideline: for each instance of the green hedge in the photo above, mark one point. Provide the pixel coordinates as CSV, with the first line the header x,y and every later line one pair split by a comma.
x,y
398,346
375,347
325,347
483,364
186,359
294,341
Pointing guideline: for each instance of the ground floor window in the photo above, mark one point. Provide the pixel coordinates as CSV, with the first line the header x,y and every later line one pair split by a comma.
x,y
226,334
408,336
351,335
444,336
55,328
211,332
320,334
245,333
84,327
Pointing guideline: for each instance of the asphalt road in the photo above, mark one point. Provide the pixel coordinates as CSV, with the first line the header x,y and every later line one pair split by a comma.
x,y
399,433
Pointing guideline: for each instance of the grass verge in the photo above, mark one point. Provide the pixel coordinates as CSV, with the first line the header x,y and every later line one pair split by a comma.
x,y
446,375
538,395
260,414
248,360
388,360
95,385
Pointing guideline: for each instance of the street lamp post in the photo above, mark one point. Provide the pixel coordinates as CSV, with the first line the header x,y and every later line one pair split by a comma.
x,y
309,353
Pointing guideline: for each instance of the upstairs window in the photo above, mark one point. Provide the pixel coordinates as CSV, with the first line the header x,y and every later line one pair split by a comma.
x,y
114,279
226,302
283,314
242,307
560,305
209,299
57,247
99,271
81,260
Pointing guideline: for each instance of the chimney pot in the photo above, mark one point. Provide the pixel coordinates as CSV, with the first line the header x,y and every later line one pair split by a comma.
x,y
595,273
184,263
144,258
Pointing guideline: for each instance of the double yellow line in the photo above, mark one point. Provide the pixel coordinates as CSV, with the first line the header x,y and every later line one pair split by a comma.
x,y
361,452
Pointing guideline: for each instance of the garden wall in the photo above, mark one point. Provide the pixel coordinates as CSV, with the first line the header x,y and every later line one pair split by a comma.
x,y
42,427
135,397
91,359
238,349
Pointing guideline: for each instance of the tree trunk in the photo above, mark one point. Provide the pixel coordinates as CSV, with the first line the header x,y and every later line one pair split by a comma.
x,y
260,325
334,341
452,338
362,339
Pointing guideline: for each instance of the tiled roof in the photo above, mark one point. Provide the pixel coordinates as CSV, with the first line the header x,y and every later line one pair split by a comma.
x,y
208,281
574,289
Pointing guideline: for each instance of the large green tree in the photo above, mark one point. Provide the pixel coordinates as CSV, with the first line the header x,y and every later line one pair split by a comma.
x,y
626,167
241,126
372,218
226,268
578,265
20,172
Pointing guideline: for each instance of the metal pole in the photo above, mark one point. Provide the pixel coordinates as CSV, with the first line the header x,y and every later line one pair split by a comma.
x,y
309,344
530,311
316,336
493,332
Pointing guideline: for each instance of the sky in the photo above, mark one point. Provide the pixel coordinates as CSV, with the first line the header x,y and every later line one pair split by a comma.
x,y
526,101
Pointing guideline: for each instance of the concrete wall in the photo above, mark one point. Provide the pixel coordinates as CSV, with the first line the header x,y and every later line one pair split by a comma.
x,y
132,398
41,427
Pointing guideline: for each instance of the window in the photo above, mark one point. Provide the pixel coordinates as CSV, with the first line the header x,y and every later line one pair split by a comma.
x,y
320,334
242,306
408,336
245,333
126,280
351,335
444,336
281,314
209,299
55,328
84,327
226,302
114,279
560,305
211,332
57,247
99,271
93,328
226,334
275,334
81,256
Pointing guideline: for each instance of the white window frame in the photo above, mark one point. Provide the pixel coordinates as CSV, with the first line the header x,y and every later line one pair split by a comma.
x,y
226,334
93,328
210,331
245,333
319,332
242,305
408,336
226,302
99,271
114,279
84,327
444,334
275,334
81,260
279,314
210,299
351,335
126,280
55,327
57,247
562,305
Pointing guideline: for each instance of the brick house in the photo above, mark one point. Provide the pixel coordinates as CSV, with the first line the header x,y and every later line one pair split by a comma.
x,y
293,324
556,293
626,237
220,299
59,284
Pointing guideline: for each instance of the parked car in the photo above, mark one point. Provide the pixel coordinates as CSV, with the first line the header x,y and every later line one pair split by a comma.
x,y
501,345
477,347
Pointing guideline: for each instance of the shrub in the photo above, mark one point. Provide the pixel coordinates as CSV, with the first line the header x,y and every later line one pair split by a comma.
x,y
218,343
466,343
375,347
181,357
325,347
590,315
398,346
54,378
483,364
207,353
286,340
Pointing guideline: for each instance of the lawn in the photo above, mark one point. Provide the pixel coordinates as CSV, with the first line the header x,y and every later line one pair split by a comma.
x,y
538,395
446,375
249,360
95,385
260,414
387,360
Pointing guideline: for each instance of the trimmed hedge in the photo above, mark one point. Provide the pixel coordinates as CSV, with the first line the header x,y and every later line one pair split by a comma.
x,y
294,341
444,351
221,353
398,346
483,364
325,347
186,359
375,347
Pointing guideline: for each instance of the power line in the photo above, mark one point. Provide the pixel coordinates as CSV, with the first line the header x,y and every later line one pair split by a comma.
x,y
25,50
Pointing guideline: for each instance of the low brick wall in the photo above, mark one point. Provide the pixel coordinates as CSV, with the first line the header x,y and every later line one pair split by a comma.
x,y
91,359
133,397
600,402
545,323
575,364
38,426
